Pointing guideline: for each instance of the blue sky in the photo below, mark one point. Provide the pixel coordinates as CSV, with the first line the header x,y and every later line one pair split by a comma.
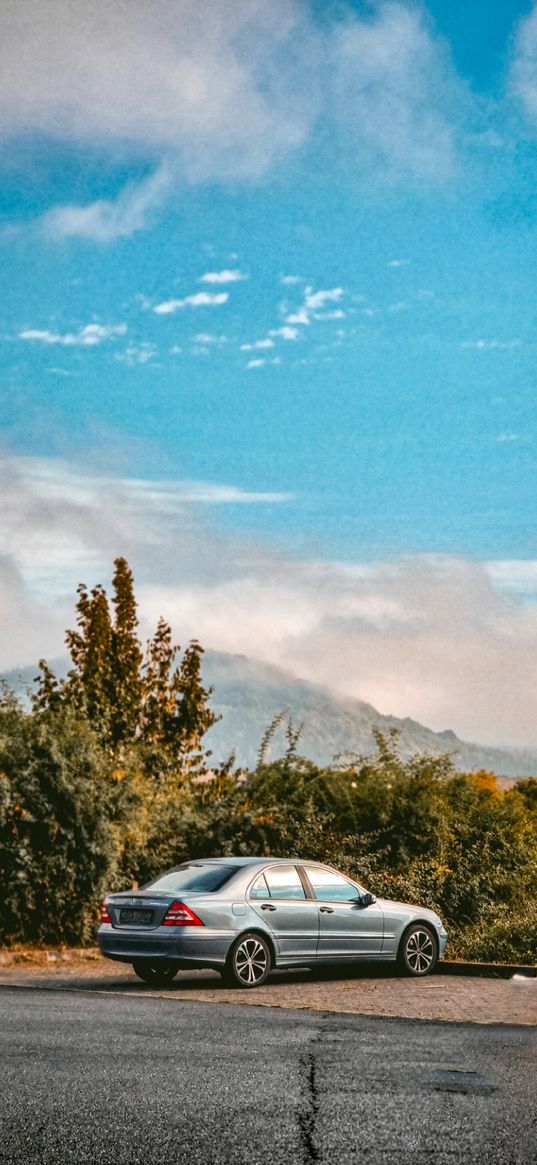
x,y
268,273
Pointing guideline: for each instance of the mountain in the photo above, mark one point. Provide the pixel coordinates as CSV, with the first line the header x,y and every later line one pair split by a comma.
x,y
248,695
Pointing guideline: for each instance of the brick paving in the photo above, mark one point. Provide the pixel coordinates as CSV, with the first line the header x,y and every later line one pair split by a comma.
x,y
364,991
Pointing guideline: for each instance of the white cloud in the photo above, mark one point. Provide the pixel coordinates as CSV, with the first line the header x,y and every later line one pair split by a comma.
x,y
441,639
523,73
517,576
260,362
313,300
108,219
141,353
312,308
87,337
300,316
208,338
394,95
285,332
266,343
199,299
290,280
60,524
398,263
230,276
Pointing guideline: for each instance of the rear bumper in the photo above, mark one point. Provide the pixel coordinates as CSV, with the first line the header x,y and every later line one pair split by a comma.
x,y
193,949
442,940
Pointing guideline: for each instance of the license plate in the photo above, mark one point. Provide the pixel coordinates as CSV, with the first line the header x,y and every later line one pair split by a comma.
x,y
142,916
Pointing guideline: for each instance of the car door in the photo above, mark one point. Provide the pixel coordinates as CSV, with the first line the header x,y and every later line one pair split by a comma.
x,y
278,896
346,927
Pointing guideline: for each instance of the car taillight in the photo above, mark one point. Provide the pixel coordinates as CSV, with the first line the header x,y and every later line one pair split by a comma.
x,y
180,915
105,917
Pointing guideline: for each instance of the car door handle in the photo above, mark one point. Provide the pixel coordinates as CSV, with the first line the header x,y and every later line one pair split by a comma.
x,y
326,909
267,906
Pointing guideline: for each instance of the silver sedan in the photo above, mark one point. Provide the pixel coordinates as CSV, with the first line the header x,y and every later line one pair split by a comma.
x,y
245,916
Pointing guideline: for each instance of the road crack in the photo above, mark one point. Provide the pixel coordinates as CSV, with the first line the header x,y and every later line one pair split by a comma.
x,y
309,1110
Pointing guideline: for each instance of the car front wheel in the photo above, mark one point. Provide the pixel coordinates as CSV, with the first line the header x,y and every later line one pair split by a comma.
x,y
157,973
249,962
418,951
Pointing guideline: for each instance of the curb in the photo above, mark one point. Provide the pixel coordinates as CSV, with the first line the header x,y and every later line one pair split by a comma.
x,y
486,970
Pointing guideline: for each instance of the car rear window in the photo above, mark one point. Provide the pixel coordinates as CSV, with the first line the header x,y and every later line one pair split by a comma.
x,y
198,877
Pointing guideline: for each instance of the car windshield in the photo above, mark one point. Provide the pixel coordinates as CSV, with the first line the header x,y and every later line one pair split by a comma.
x,y
198,877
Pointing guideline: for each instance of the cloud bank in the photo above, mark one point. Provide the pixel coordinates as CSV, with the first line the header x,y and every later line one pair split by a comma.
x,y
225,89
208,82
444,640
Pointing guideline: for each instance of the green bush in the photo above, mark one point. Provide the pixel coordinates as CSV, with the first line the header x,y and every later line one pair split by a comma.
x,y
56,840
502,935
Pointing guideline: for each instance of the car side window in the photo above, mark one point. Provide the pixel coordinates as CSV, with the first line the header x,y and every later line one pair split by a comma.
x,y
284,882
331,887
260,888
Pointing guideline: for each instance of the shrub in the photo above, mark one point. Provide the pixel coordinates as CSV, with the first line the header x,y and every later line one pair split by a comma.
x,y
56,841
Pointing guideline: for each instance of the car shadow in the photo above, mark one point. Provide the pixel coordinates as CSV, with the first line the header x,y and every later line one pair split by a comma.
x,y
212,981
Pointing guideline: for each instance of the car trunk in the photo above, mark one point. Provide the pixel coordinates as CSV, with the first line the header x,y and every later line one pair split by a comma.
x,y
140,908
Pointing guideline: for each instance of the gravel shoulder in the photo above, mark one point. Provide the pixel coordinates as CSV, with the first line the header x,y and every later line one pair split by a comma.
x,y
367,990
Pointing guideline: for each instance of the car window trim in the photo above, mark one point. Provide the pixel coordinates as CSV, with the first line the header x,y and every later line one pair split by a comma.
x,y
275,866
332,901
259,874
308,888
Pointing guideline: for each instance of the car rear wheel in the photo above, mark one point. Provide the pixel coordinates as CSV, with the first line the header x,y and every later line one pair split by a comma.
x,y
418,951
249,962
158,973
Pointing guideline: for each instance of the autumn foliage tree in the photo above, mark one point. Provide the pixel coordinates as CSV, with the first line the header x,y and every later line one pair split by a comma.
x,y
127,696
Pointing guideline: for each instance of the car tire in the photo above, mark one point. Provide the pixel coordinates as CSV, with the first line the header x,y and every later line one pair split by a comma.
x,y
418,950
249,962
158,973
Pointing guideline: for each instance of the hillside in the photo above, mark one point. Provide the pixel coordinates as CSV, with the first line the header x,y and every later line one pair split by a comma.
x,y
248,695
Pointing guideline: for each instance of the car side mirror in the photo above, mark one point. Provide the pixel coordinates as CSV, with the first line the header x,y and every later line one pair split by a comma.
x,y
367,899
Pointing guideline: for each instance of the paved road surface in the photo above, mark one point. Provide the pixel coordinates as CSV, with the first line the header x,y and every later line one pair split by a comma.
x,y
127,1080
364,990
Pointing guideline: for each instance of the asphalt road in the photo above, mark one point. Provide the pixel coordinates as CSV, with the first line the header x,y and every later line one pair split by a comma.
x,y
135,1079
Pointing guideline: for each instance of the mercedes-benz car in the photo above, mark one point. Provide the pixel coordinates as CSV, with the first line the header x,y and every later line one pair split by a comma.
x,y
244,917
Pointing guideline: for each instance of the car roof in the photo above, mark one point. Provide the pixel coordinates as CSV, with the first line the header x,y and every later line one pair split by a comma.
x,y
262,861
242,861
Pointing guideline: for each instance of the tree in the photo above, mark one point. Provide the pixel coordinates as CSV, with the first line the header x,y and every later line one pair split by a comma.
x,y
193,714
126,658
158,699
125,697
175,713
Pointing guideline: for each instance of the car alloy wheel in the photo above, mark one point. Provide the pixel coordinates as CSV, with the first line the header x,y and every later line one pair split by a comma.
x,y
158,973
249,961
419,952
